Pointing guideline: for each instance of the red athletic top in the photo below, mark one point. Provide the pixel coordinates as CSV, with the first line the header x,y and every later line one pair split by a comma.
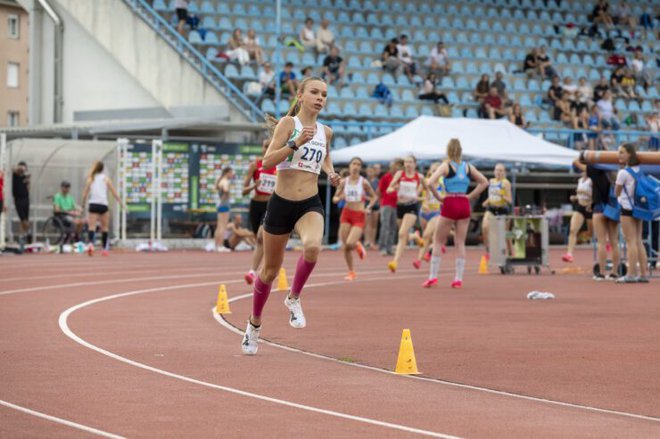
x,y
408,187
267,179
2,187
385,198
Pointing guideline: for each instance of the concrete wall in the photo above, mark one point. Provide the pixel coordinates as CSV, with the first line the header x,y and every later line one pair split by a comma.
x,y
14,51
115,60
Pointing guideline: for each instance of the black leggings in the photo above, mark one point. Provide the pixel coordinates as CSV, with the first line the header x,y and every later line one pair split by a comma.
x,y
435,97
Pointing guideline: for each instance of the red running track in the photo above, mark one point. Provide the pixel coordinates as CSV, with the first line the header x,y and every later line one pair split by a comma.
x,y
151,360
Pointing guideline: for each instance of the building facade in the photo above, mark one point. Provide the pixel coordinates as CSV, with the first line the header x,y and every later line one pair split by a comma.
x,y
14,64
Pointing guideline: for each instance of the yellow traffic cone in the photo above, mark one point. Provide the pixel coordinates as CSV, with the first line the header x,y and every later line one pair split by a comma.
x,y
282,282
406,363
222,306
483,265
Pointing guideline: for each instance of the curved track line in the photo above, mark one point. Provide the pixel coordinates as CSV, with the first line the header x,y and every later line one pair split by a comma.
x,y
57,420
63,323
220,319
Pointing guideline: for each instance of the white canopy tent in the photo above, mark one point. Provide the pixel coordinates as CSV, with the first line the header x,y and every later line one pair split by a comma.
x,y
426,138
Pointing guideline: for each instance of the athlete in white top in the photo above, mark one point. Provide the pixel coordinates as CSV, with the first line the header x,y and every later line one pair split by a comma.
x,y
300,149
631,226
353,189
582,213
97,187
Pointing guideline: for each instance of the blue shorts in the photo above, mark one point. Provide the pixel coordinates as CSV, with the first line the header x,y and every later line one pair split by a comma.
x,y
428,216
597,208
223,208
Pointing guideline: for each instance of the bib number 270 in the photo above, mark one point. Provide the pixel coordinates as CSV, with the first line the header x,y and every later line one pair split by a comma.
x,y
312,154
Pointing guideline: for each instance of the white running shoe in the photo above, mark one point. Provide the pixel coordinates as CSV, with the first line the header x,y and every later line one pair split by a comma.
x,y
250,339
296,316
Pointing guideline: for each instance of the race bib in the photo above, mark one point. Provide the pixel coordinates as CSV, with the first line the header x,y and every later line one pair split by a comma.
x,y
353,194
407,189
267,183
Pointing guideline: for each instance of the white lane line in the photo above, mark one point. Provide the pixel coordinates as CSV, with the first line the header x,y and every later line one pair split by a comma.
x,y
220,319
57,420
87,273
139,279
64,326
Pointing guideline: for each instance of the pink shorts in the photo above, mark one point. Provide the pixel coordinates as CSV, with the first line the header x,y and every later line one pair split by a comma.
x,y
456,207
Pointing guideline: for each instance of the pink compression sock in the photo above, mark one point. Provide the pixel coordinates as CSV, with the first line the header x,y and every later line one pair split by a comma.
x,y
259,296
303,270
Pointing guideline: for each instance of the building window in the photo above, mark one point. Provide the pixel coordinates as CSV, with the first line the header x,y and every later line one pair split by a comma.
x,y
12,75
13,26
12,118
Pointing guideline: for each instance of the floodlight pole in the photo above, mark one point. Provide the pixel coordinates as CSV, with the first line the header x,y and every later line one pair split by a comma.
x,y
278,57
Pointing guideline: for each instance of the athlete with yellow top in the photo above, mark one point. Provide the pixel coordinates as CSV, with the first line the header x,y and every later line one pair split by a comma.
x,y
429,217
498,202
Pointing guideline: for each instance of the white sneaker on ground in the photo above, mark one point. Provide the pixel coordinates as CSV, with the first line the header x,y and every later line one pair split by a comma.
x,y
250,339
296,316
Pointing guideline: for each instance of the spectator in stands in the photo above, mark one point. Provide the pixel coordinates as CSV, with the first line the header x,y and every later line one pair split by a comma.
x,y
585,93
406,57
601,14
500,85
307,35
642,73
616,78
628,84
622,15
555,92
325,39
570,90
307,72
594,126
438,60
237,49
253,47
600,89
20,188
580,122
64,206
428,91
288,80
390,57
646,20
482,88
545,64
563,111
493,107
181,7
531,63
266,80
608,114
516,117
653,122
333,68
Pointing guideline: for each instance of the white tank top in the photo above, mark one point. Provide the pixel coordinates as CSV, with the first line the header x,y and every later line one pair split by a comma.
x,y
98,191
354,192
584,191
310,156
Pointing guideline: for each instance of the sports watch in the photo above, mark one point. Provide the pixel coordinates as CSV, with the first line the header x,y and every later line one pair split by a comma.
x,y
292,144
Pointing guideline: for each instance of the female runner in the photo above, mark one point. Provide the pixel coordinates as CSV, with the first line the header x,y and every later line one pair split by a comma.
x,y
262,182
352,189
408,184
455,209
429,218
498,202
223,186
581,214
300,149
97,187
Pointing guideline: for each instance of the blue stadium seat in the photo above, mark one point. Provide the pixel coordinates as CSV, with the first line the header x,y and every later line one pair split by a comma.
x,y
620,105
346,93
283,106
231,71
365,110
343,18
339,142
333,109
241,23
388,79
362,93
194,37
208,23
395,112
225,24
533,85
376,34
365,47
447,82
211,39
332,92
358,78
349,110
646,106
160,6
531,117
267,106
525,100
193,8
211,53
381,111
207,8
634,106
411,112
462,83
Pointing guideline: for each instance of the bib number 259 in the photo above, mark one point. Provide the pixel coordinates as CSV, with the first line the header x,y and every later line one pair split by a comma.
x,y
312,154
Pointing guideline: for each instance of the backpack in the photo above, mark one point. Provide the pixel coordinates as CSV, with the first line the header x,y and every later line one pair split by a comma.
x,y
646,205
